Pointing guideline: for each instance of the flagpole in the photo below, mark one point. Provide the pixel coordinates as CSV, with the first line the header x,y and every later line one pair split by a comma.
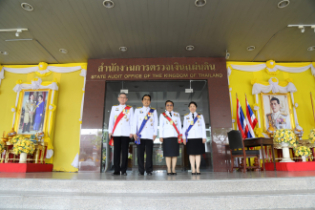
x,y
312,106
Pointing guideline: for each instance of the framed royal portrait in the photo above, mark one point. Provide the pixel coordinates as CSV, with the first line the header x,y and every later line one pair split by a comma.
x,y
277,111
32,115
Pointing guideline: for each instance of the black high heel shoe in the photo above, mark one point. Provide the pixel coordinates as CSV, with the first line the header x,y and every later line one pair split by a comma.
x,y
168,174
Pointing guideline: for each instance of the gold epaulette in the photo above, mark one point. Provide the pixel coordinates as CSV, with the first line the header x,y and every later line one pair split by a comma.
x,y
186,114
116,105
152,108
139,107
129,106
199,113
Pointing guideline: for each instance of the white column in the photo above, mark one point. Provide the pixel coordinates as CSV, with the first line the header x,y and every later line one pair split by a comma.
x,y
257,111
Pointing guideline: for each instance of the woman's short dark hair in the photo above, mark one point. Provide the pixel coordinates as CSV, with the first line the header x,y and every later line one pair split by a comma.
x,y
169,101
192,102
40,96
145,96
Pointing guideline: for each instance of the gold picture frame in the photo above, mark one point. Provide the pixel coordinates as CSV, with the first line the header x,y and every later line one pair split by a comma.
x,y
277,111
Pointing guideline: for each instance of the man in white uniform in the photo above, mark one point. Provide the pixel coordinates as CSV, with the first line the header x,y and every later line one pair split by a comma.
x,y
122,133
147,134
276,119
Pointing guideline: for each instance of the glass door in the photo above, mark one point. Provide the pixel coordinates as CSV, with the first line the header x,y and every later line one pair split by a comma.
x,y
160,91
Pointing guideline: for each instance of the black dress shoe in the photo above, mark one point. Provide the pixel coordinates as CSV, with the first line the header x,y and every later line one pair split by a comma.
x,y
141,173
169,174
116,173
124,174
149,174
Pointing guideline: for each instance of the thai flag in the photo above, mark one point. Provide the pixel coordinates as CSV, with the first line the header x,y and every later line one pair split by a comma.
x,y
241,120
250,120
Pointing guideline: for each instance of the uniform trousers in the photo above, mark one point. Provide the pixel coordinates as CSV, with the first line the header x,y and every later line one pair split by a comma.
x,y
147,145
121,145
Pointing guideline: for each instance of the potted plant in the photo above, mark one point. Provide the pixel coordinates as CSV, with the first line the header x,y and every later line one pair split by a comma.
x,y
15,139
302,151
23,147
286,138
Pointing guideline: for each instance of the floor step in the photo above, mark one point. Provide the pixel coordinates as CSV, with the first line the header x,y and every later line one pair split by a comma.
x,y
239,200
159,186
259,191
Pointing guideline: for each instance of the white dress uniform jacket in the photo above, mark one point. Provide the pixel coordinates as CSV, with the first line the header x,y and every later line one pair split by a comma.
x,y
125,124
167,130
150,128
199,128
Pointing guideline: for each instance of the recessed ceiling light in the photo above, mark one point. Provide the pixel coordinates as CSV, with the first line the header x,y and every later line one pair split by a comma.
x,y
62,50
123,49
200,3
251,48
227,55
108,4
190,48
284,3
312,48
4,52
27,7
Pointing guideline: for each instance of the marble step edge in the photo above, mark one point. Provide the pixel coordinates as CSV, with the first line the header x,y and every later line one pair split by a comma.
x,y
14,193
153,186
249,200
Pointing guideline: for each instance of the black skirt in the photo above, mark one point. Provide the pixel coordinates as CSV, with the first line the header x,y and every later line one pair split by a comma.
x,y
195,147
170,147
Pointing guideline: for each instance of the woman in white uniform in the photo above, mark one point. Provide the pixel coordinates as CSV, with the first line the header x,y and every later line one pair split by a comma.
x,y
170,135
194,136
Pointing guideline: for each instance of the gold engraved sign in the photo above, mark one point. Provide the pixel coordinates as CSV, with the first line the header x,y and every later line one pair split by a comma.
x,y
146,68
156,69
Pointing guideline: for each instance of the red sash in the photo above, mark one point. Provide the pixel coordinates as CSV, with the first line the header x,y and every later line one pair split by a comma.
x,y
172,123
120,116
